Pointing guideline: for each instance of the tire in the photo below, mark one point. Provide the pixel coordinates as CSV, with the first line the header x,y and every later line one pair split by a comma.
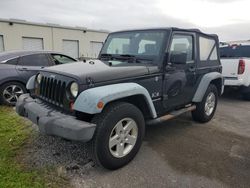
x,y
200,114
10,91
246,96
108,122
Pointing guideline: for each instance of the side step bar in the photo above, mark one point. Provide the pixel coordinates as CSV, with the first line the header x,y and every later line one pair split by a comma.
x,y
171,115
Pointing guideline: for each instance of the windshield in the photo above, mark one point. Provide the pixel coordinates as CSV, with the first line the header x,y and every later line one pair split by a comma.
x,y
235,51
146,45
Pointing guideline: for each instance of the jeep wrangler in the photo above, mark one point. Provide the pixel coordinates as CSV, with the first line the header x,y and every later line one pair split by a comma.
x,y
140,77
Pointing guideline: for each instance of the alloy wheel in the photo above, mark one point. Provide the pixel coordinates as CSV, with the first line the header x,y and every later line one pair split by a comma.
x,y
123,137
210,104
11,93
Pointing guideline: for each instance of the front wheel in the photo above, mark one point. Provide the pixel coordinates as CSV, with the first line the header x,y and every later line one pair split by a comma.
x,y
206,108
119,134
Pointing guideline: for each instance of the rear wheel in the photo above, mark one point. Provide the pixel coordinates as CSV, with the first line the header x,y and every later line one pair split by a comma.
x,y
119,134
206,108
9,92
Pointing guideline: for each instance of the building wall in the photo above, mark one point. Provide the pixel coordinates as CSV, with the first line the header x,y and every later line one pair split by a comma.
x,y
52,36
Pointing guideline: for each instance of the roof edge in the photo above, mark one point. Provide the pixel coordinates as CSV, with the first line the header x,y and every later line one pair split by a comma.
x,y
51,25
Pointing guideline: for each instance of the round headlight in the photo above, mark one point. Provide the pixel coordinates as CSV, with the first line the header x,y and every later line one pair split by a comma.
x,y
74,89
39,78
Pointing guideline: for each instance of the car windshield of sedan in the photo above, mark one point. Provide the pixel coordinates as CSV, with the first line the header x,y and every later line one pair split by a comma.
x,y
137,46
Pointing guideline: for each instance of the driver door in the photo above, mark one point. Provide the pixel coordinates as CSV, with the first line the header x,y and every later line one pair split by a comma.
x,y
180,71
30,65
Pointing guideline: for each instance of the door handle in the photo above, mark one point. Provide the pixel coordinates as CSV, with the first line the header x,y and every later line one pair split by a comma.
x,y
23,68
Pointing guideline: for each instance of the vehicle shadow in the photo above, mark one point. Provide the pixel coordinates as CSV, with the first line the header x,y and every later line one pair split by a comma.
x,y
231,94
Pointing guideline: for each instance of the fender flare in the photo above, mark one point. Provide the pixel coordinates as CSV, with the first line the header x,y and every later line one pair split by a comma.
x,y
204,83
87,101
12,79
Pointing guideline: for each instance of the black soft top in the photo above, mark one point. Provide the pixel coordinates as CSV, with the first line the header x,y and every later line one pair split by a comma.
x,y
172,29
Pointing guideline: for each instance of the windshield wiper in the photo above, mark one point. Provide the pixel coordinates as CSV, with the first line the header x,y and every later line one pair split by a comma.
x,y
129,57
118,57
106,56
134,58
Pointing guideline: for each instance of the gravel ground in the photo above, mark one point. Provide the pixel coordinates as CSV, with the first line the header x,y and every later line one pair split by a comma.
x,y
178,153
70,158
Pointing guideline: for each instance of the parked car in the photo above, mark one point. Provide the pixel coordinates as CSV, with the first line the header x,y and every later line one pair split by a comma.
x,y
17,67
141,77
235,60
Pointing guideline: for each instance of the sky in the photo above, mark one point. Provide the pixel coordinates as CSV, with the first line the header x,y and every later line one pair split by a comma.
x,y
230,19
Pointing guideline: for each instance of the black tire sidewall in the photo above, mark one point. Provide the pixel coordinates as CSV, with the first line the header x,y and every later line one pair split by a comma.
x,y
2,88
114,114
199,114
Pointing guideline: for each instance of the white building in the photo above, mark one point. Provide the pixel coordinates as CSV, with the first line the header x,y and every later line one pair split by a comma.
x,y
74,41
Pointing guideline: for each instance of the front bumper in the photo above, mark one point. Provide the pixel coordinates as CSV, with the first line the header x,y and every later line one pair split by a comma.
x,y
52,122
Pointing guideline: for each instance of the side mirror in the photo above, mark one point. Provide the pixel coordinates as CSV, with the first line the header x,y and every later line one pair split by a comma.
x,y
180,58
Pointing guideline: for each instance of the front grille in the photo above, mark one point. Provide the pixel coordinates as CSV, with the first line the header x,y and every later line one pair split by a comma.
x,y
52,90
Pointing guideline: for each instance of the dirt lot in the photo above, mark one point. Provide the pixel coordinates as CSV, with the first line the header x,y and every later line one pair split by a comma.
x,y
178,153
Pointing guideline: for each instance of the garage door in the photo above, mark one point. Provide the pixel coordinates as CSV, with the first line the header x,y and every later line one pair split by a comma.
x,y
71,48
95,48
32,43
1,43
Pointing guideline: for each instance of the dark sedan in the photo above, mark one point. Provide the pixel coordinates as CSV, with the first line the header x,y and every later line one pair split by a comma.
x,y
18,66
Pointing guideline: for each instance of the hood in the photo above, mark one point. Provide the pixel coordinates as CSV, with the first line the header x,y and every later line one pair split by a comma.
x,y
98,71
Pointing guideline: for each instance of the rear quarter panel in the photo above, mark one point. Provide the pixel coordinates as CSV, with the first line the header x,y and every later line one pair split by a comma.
x,y
230,67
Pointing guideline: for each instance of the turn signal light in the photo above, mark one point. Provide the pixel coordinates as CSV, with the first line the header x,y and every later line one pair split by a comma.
x,y
100,105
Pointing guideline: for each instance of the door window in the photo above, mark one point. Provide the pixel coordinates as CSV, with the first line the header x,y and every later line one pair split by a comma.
x,y
62,59
182,48
34,60
12,61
